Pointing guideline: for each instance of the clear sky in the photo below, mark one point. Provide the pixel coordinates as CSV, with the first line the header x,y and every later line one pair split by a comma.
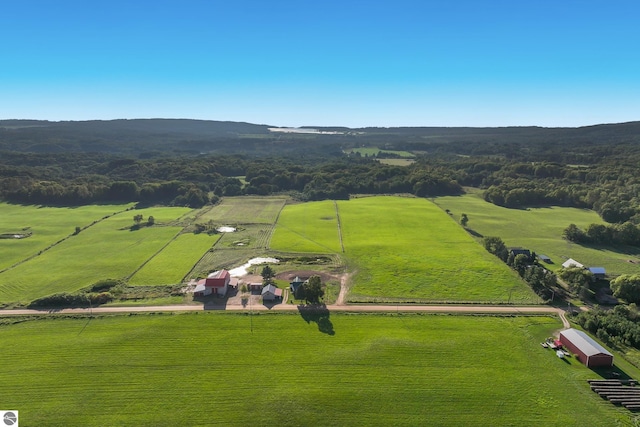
x,y
309,62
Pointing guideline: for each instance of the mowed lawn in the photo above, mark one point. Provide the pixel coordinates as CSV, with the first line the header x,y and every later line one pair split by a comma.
x,y
173,263
307,227
215,368
540,230
245,210
409,249
105,250
48,225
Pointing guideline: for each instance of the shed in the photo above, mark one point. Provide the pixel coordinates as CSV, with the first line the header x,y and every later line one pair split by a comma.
x,y
544,258
598,272
255,287
572,263
586,348
271,293
201,290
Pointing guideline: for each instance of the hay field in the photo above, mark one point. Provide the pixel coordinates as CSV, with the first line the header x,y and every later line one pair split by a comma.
x,y
402,250
280,369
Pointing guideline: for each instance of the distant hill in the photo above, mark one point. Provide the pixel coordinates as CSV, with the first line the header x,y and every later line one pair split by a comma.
x,y
195,136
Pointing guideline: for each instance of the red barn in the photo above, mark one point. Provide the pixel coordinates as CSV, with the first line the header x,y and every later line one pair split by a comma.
x,y
216,283
586,348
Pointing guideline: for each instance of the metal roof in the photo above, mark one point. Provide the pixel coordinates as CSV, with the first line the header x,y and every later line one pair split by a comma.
x,y
597,270
584,342
571,263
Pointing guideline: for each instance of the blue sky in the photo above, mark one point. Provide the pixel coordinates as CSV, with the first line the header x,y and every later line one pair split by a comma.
x,y
345,63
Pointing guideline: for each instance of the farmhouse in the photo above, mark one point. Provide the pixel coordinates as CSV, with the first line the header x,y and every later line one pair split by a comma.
x,y
295,284
520,251
271,293
217,283
572,263
586,348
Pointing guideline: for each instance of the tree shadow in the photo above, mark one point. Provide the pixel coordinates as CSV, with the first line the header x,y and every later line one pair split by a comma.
x,y
473,232
612,372
319,314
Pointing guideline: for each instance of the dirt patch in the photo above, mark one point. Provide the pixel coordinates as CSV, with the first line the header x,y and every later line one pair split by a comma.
x,y
304,275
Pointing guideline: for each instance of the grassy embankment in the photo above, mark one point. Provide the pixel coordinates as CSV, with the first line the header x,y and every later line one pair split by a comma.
x,y
540,230
402,249
281,370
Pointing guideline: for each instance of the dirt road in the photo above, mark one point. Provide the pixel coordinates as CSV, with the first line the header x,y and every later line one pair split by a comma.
x,y
485,309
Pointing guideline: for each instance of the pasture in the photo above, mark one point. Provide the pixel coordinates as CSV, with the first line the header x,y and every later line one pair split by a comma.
x,y
286,369
48,225
540,230
308,227
174,261
403,250
107,249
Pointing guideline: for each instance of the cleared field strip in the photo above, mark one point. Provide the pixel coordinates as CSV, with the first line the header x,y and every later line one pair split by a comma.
x,y
307,227
175,261
106,250
410,249
244,210
369,370
47,225
540,229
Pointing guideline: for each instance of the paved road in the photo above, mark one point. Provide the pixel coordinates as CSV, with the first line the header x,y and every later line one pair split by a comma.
x,y
488,309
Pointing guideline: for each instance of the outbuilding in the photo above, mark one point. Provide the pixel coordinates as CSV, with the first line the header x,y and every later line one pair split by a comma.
x,y
271,293
599,273
572,263
586,348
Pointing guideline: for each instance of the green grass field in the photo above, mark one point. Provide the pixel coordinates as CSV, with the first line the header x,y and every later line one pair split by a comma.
x,y
308,227
540,230
47,224
278,369
402,249
106,250
176,260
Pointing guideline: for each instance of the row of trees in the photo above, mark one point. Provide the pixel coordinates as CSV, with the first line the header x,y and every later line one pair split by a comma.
x,y
539,278
600,234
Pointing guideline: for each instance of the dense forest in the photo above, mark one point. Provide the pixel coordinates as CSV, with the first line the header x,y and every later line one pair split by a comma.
x,y
190,162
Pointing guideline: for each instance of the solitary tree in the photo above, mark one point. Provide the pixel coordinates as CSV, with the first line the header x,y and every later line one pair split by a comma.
x,y
464,219
267,274
138,218
313,291
151,220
